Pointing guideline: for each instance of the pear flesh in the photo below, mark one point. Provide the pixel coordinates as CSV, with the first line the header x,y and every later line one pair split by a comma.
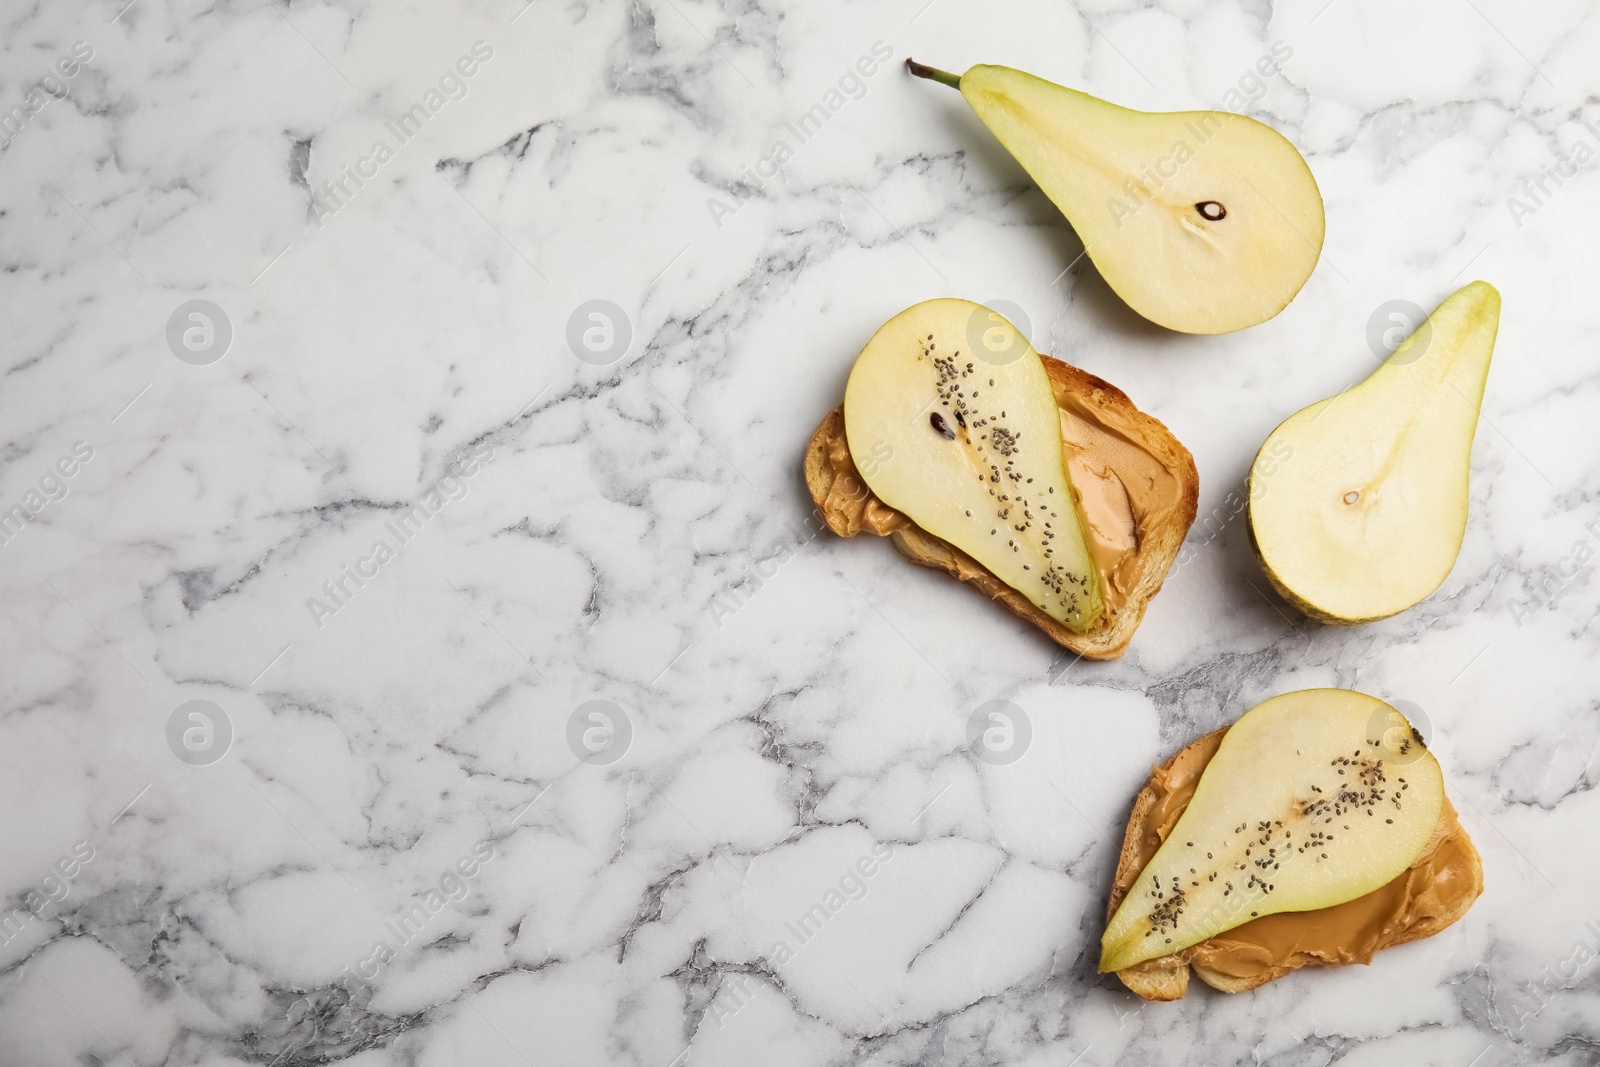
x,y
951,420
1313,798
1202,221
1358,503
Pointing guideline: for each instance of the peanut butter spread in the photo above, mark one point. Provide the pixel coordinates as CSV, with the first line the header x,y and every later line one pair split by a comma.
x,y
1430,895
1123,490
850,498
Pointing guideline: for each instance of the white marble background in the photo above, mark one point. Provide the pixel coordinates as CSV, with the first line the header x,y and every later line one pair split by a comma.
x,y
628,911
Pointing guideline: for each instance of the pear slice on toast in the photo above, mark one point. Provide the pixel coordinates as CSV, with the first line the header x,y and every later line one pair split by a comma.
x,y
1301,808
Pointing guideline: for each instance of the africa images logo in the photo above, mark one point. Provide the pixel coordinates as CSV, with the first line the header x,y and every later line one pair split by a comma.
x,y
404,528
1250,88
851,85
336,192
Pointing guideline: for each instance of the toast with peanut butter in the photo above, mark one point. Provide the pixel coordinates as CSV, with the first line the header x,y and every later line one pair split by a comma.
x,y
1074,534
1358,788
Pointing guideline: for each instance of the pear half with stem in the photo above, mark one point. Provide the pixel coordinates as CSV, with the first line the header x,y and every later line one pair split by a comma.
x,y
1358,503
1313,799
1203,221
951,420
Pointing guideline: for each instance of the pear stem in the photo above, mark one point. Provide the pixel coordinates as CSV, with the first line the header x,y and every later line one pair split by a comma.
x,y
933,73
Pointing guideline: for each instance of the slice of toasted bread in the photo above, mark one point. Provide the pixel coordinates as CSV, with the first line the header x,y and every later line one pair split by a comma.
x,y
1449,855
848,507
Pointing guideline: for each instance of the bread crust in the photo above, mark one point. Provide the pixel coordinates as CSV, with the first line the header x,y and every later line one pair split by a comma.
x,y
1159,542
1167,977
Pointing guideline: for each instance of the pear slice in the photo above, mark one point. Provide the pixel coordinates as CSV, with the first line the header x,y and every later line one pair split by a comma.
x,y
951,420
1314,798
1203,221
1358,503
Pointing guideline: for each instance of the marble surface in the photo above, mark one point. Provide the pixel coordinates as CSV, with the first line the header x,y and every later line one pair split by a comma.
x,y
386,748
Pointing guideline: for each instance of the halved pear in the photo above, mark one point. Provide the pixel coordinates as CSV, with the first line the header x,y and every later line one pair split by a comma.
x,y
1358,503
1305,805
951,420
1203,221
